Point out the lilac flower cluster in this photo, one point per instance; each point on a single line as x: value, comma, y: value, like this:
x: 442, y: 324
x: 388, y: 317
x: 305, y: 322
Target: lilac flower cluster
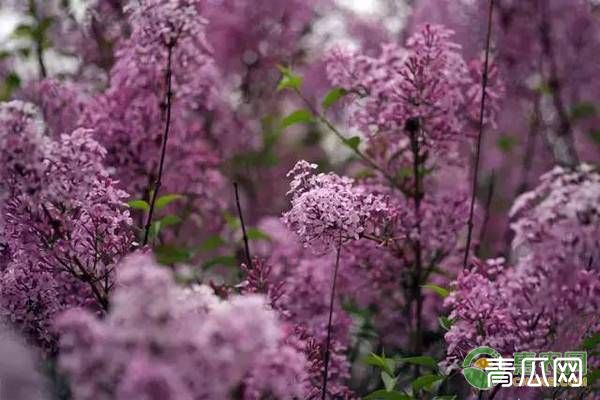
x: 328, y: 209
x: 549, y: 297
x: 63, y: 222
x: 161, y: 339
x: 427, y: 81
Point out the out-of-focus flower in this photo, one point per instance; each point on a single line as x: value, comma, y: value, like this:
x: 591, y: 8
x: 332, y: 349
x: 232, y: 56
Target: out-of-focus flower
x: 181, y: 343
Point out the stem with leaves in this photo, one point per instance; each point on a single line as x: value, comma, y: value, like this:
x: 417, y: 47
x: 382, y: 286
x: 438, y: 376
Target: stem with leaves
x: 330, y: 321
x: 484, y: 82
x: 163, y: 147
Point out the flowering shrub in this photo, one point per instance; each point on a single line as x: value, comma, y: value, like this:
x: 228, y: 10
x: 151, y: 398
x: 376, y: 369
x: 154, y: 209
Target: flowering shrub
x: 295, y: 200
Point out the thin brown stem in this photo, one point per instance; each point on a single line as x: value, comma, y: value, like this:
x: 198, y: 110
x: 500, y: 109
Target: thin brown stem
x: 340, y: 136
x: 244, y: 233
x: 484, y: 82
x: 487, y: 212
x: 163, y: 147
x: 330, y: 321
x: 413, y: 127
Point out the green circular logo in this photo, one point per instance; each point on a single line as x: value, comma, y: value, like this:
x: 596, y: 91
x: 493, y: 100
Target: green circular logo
x: 474, y: 366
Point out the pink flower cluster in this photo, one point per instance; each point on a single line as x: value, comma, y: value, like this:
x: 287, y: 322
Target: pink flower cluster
x: 162, y: 340
x: 549, y: 298
x: 328, y: 209
x: 427, y: 81
x: 62, y: 220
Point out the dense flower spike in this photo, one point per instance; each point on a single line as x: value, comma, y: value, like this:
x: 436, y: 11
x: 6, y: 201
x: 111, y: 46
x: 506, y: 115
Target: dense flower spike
x: 63, y: 222
x: 327, y: 208
x: 547, y: 300
x: 183, y: 343
x: 427, y: 81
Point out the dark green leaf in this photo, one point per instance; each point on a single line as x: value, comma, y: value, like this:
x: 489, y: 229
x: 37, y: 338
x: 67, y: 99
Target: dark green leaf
x: 212, y: 243
x: 170, y: 220
x: 155, y: 228
x: 593, y: 376
x: 289, y: 80
x: 425, y: 382
x: 445, y: 322
x: 139, y: 205
x: 386, y: 364
x: 297, y: 117
x: 257, y: 234
x: 171, y: 254
x: 583, y: 110
x: 227, y: 261
x: 332, y: 96
x: 385, y: 395
x: 389, y: 382
x: 591, y: 342
x: 595, y: 136
x: 506, y: 143
x: 23, y: 31
x: 425, y: 361
x: 440, y: 291
x: 353, y: 142
x: 167, y: 199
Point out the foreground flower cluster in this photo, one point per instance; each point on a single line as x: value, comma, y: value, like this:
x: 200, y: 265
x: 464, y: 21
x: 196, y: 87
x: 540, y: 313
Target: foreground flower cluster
x: 206, y: 205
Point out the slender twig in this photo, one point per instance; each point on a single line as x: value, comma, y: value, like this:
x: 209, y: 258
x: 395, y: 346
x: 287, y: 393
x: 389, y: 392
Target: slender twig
x: 484, y: 82
x: 487, y: 213
x: 38, y: 40
x: 413, y: 127
x: 329, y: 322
x: 244, y: 233
x: 163, y: 150
x: 561, y: 143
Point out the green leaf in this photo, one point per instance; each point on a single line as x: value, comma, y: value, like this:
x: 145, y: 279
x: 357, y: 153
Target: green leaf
x: 445, y: 322
x: 167, y: 199
x: 595, y: 136
x: 593, y: 376
x: 155, y: 228
x: 440, y: 291
x: 297, y: 117
x: 592, y: 342
x: 425, y: 361
x: 227, y: 261
x: 583, y: 110
x: 388, y: 381
x: 168, y: 255
x: 385, y: 395
x: 170, y: 220
x: 506, y: 143
x: 289, y: 80
x: 212, y: 243
x: 233, y: 222
x: 139, y: 205
x: 446, y: 397
x: 352, y: 142
x: 257, y: 234
x: 23, y: 31
x: 386, y: 364
x: 425, y: 382
x: 333, y: 96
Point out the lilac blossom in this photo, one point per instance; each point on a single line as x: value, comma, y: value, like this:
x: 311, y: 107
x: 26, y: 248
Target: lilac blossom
x: 182, y: 343
x: 63, y: 222
x: 329, y: 209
